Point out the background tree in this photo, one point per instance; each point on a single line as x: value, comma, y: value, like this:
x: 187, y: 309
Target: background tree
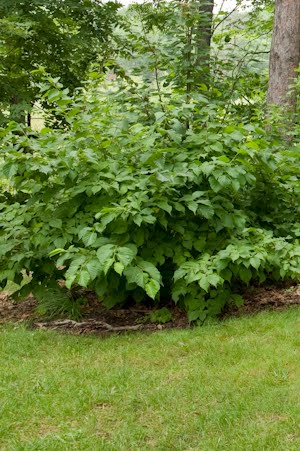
x: 285, y: 52
x: 64, y: 37
x: 204, y: 33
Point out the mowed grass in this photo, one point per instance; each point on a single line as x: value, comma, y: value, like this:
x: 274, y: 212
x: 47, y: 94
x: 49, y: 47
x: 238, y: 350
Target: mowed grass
x: 233, y: 385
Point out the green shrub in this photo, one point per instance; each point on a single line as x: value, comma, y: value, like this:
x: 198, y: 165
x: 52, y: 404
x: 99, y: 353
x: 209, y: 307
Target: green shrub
x: 134, y: 208
x: 157, y: 185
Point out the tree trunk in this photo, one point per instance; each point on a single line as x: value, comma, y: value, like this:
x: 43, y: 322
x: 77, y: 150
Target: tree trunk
x: 17, y: 112
x: 204, y: 31
x: 203, y: 39
x: 285, y: 53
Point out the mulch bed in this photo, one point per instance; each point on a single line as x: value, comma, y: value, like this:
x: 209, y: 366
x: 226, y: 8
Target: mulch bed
x: 96, y: 319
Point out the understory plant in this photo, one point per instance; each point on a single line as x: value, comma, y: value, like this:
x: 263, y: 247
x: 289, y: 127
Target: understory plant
x: 148, y: 192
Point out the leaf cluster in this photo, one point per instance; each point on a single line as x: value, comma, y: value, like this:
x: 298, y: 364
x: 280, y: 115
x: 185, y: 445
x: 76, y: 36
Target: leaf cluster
x: 64, y: 38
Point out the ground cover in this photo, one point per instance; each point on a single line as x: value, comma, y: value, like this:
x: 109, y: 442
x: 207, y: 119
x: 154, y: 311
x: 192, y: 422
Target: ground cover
x: 95, y: 318
x: 228, y: 385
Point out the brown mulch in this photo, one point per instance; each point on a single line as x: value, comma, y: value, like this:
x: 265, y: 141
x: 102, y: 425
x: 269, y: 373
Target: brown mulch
x: 95, y: 319
x: 269, y: 297
x: 98, y: 320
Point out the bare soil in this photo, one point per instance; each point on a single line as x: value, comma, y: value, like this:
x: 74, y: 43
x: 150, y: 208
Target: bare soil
x: 98, y: 320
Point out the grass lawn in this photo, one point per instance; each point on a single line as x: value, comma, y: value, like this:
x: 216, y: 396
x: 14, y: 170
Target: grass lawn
x: 233, y: 385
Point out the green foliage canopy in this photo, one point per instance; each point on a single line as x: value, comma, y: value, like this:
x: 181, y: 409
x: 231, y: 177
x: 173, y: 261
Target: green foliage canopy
x: 131, y: 209
x: 64, y: 37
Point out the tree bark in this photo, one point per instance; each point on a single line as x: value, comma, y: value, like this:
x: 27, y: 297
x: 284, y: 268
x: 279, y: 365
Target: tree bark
x: 204, y: 31
x: 285, y: 53
x: 203, y: 35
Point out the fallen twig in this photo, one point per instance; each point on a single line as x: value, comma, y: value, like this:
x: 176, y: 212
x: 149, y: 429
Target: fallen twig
x: 85, y: 324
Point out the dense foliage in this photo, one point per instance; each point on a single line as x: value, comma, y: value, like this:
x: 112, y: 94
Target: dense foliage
x: 63, y: 37
x: 158, y: 187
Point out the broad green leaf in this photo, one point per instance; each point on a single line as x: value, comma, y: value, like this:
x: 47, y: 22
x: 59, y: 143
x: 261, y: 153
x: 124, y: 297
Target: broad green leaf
x: 105, y: 252
x: 215, y: 279
x: 226, y: 274
x: 89, y: 238
x: 126, y: 254
x: 56, y: 223
x: 215, y: 184
x: 206, y: 211
x: 193, y: 315
x: 199, y: 244
x: 108, y: 264
x: 152, y: 288
x: 193, y: 206
x: 164, y: 206
x: 76, y: 263
x: 10, y: 169
x: 245, y: 274
x: 204, y: 283
x: 84, y: 278
x: 53, y: 95
x: 69, y: 280
x: 119, y: 268
x: 176, y: 137
x: 237, y: 135
x: 179, y: 274
x: 234, y: 255
x: 255, y: 262
x: 94, y: 268
x: 150, y: 269
x: 159, y: 116
x: 227, y: 220
x: 135, y: 275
